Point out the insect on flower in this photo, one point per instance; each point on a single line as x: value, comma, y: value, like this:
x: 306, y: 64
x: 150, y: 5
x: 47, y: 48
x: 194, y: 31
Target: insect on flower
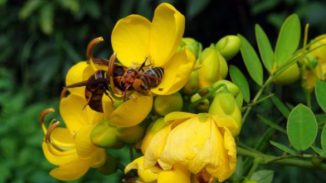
x: 141, y: 80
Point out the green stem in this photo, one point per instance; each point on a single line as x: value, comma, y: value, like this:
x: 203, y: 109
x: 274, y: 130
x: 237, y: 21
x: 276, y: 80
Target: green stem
x: 289, y: 160
x: 308, y: 98
x: 254, y: 101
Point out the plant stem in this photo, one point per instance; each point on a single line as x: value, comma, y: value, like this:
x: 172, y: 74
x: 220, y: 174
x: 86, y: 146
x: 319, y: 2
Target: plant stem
x: 292, y: 161
x: 254, y: 101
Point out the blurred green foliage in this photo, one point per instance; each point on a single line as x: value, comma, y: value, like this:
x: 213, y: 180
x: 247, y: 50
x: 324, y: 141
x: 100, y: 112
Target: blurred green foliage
x: 40, y: 40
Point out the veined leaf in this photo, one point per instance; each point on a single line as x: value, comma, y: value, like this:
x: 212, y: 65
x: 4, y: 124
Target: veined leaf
x: 251, y: 61
x: 283, y: 147
x: 320, y: 91
x: 265, y: 48
x: 240, y: 80
x: 302, y: 127
x: 288, y: 39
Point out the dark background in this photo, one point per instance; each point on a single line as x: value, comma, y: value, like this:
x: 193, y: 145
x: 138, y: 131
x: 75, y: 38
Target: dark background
x: 40, y: 40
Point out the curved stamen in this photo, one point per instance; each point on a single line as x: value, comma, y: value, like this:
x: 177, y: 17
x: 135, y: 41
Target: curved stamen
x: 90, y: 47
x: 53, y: 126
x: 64, y: 93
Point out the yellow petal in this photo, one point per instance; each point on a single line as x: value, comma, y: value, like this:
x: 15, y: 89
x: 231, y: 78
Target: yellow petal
x: 191, y: 137
x: 58, y: 157
x: 130, y: 40
x: 76, y: 74
x: 98, y: 158
x: 71, y: 171
x: 62, y: 138
x: 178, y: 116
x: 84, y: 145
x: 132, y: 112
x: 166, y: 32
x: 178, y: 174
x: 146, y: 175
x: 227, y: 161
x: 72, y: 112
x: 176, y: 73
x: 155, y: 147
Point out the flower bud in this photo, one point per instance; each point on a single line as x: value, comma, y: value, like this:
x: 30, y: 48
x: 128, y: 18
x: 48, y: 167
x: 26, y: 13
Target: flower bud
x: 191, y: 44
x: 231, y: 87
x: 165, y: 104
x: 192, y: 84
x: 320, y: 52
x: 288, y: 76
x: 225, y: 105
x: 131, y: 134
x: 110, y: 166
x: 213, y: 67
x: 105, y: 135
x: 228, y: 46
x: 203, y: 105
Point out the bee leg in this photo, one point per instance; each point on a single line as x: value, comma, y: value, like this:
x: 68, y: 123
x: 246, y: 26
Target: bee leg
x: 107, y: 94
x: 88, y: 100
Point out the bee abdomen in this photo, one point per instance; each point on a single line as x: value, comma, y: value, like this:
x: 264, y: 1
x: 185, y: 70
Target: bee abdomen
x: 152, y: 77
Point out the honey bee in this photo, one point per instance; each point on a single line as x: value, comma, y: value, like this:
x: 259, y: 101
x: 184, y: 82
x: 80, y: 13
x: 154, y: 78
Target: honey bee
x: 140, y: 80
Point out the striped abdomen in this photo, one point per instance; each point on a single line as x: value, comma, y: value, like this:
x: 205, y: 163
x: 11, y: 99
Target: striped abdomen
x: 152, y: 77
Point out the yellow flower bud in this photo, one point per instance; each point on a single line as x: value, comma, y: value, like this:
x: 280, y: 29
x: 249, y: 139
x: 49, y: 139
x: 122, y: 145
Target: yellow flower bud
x: 168, y: 103
x: 320, y: 52
x: 192, y: 45
x: 288, y: 76
x: 228, y: 46
x: 131, y: 134
x: 105, y: 135
x: 225, y: 105
x: 213, y: 67
x: 192, y: 84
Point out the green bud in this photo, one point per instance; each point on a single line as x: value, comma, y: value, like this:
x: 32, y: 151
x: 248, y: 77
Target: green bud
x: 213, y: 67
x: 131, y: 134
x: 192, y: 45
x: 192, y: 84
x: 169, y: 103
x: 229, y: 86
x: 288, y: 76
x: 203, y: 105
x: 224, y: 104
x: 228, y: 46
x: 105, y: 135
x: 110, y: 166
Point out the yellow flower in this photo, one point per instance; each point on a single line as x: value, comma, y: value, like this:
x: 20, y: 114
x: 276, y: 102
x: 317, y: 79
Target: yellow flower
x: 134, y: 38
x: 176, y: 174
x: 204, y: 145
x: 71, y: 148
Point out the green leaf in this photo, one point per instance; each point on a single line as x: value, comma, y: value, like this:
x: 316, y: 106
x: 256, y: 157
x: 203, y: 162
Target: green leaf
x: 283, y: 147
x: 251, y: 61
x: 320, y: 91
x: 271, y: 124
x: 240, y: 80
x: 281, y: 106
x: 263, y: 176
x: 319, y: 151
x: 265, y: 48
x: 46, y: 19
x: 302, y: 127
x: 288, y: 39
x: 323, y: 139
x: 29, y: 7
